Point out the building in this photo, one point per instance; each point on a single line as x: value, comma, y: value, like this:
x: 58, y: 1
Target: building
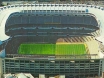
x: 52, y: 39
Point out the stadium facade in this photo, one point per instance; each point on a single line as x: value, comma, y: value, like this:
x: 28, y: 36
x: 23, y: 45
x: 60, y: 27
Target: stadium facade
x: 52, y: 39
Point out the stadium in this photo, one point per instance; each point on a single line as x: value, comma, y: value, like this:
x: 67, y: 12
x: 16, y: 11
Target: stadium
x: 52, y: 39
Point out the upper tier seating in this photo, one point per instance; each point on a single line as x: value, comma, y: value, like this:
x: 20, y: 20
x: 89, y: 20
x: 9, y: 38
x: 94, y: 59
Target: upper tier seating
x: 32, y: 19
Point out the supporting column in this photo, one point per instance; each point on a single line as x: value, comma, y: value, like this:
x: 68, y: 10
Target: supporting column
x: 1, y: 68
x: 102, y: 68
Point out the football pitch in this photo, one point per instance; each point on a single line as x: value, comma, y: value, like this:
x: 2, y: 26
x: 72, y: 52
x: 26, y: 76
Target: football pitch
x: 52, y: 49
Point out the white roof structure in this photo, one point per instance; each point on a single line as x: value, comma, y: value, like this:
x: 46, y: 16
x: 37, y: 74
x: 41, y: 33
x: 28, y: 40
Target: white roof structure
x: 19, y: 75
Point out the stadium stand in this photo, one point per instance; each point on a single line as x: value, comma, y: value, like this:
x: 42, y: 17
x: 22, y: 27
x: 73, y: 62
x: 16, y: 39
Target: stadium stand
x: 29, y: 19
x: 36, y: 22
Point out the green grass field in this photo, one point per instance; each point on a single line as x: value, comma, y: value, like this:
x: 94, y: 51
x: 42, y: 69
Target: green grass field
x: 70, y: 49
x: 48, y: 49
x: 52, y: 49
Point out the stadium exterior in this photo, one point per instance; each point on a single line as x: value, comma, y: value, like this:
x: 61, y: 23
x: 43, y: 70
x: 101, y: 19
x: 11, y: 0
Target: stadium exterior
x: 52, y: 24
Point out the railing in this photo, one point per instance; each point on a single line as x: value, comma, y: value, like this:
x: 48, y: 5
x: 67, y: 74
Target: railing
x: 49, y: 57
